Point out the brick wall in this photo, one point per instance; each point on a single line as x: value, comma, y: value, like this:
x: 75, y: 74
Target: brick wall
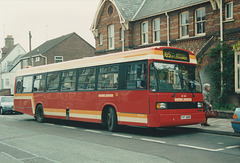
x: 133, y: 36
x: 72, y: 48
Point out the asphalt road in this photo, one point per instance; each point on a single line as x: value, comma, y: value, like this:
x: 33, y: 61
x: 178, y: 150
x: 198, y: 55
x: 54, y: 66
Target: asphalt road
x: 22, y: 139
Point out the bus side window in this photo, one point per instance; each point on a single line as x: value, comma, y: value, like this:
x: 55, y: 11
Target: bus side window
x: 53, y: 81
x: 39, y: 83
x: 19, y: 85
x: 136, y: 76
x: 68, y: 80
x: 86, y: 79
x: 27, y: 84
x: 108, y: 77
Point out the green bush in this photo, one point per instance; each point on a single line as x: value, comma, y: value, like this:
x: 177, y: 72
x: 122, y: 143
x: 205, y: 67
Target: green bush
x: 221, y: 101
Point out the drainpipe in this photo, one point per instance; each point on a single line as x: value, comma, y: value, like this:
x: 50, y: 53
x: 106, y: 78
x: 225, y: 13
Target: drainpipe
x: 168, y: 30
x: 45, y: 58
x: 221, y: 39
x: 123, y: 42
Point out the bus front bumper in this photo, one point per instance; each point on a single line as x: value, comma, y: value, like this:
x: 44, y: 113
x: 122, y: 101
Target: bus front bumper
x: 168, y: 120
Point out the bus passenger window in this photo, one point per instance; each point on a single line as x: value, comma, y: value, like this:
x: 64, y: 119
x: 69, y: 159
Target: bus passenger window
x: 68, y: 80
x: 27, y: 84
x: 39, y: 83
x: 108, y: 77
x: 136, y: 76
x: 53, y: 81
x: 19, y: 85
x: 86, y: 79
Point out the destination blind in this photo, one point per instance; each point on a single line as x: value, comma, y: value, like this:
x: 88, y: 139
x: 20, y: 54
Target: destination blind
x: 174, y: 54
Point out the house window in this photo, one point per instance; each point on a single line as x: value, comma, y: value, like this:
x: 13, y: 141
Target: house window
x: 58, y: 59
x: 37, y: 59
x: 111, y: 37
x: 156, y: 30
x: 237, y: 71
x: 100, y: 39
x: 145, y: 32
x: 200, y: 21
x: 184, y: 24
x: 229, y: 10
x: 7, y: 82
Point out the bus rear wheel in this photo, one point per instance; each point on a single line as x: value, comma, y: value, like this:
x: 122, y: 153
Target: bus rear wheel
x: 112, y: 120
x: 39, y: 115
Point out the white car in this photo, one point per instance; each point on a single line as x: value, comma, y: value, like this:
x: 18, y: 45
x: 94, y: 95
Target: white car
x: 6, y: 104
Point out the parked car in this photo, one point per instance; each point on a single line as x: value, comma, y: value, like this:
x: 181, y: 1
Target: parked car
x: 236, y: 121
x: 6, y: 104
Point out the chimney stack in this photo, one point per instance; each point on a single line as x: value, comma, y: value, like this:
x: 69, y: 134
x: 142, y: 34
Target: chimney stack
x: 9, y: 41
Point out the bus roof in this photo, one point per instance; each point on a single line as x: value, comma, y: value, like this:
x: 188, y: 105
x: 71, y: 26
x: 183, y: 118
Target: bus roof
x: 155, y: 53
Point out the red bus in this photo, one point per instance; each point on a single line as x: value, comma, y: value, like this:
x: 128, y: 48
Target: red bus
x: 153, y: 87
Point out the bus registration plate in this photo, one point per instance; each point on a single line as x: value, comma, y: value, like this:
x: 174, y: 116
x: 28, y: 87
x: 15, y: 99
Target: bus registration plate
x: 186, y: 117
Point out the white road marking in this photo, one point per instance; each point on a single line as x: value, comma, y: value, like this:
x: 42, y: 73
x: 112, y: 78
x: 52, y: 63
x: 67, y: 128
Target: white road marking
x: 231, y: 147
x: 202, y: 148
x: 8, y: 155
x: 151, y: 140
x: 49, y: 124
x: 4, y: 125
x: 28, y: 152
x: 124, y: 136
x: 69, y: 127
x: 93, y: 131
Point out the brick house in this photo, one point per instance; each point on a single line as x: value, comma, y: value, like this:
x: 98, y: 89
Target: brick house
x: 121, y: 25
x: 64, y: 48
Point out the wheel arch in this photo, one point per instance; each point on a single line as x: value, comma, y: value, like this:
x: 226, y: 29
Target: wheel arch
x: 39, y: 103
x: 105, y: 111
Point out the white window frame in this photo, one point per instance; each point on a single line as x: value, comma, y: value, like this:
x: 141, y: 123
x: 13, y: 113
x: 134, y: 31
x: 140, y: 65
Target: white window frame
x: 144, y: 32
x: 203, y: 22
x: 229, y: 10
x: 37, y: 59
x: 156, y: 30
x: 184, y: 25
x: 237, y: 71
x: 100, y: 39
x: 58, y: 59
x: 111, y: 37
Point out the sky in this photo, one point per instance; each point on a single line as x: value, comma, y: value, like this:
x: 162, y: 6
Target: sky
x: 46, y: 19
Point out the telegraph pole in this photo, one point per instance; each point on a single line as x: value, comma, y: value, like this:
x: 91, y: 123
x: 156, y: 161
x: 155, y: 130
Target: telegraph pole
x: 221, y: 39
x: 30, y: 47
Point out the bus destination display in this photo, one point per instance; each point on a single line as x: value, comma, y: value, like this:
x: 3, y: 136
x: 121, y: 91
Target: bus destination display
x: 174, y: 54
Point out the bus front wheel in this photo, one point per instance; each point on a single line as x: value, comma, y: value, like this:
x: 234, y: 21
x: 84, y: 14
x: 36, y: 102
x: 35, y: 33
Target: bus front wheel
x: 112, y: 120
x: 39, y: 115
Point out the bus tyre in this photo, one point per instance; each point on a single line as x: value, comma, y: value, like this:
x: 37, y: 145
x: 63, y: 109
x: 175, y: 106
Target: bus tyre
x: 1, y: 111
x: 39, y: 115
x: 112, y: 120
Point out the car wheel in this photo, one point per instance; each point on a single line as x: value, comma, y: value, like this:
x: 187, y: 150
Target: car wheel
x: 1, y: 111
x: 39, y: 115
x: 112, y: 120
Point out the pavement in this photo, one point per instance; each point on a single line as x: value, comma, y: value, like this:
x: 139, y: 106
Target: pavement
x: 217, y: 126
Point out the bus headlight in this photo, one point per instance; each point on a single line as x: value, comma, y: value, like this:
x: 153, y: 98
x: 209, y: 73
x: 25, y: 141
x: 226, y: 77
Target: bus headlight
x: 161, y: 105
x: 199, y: 104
